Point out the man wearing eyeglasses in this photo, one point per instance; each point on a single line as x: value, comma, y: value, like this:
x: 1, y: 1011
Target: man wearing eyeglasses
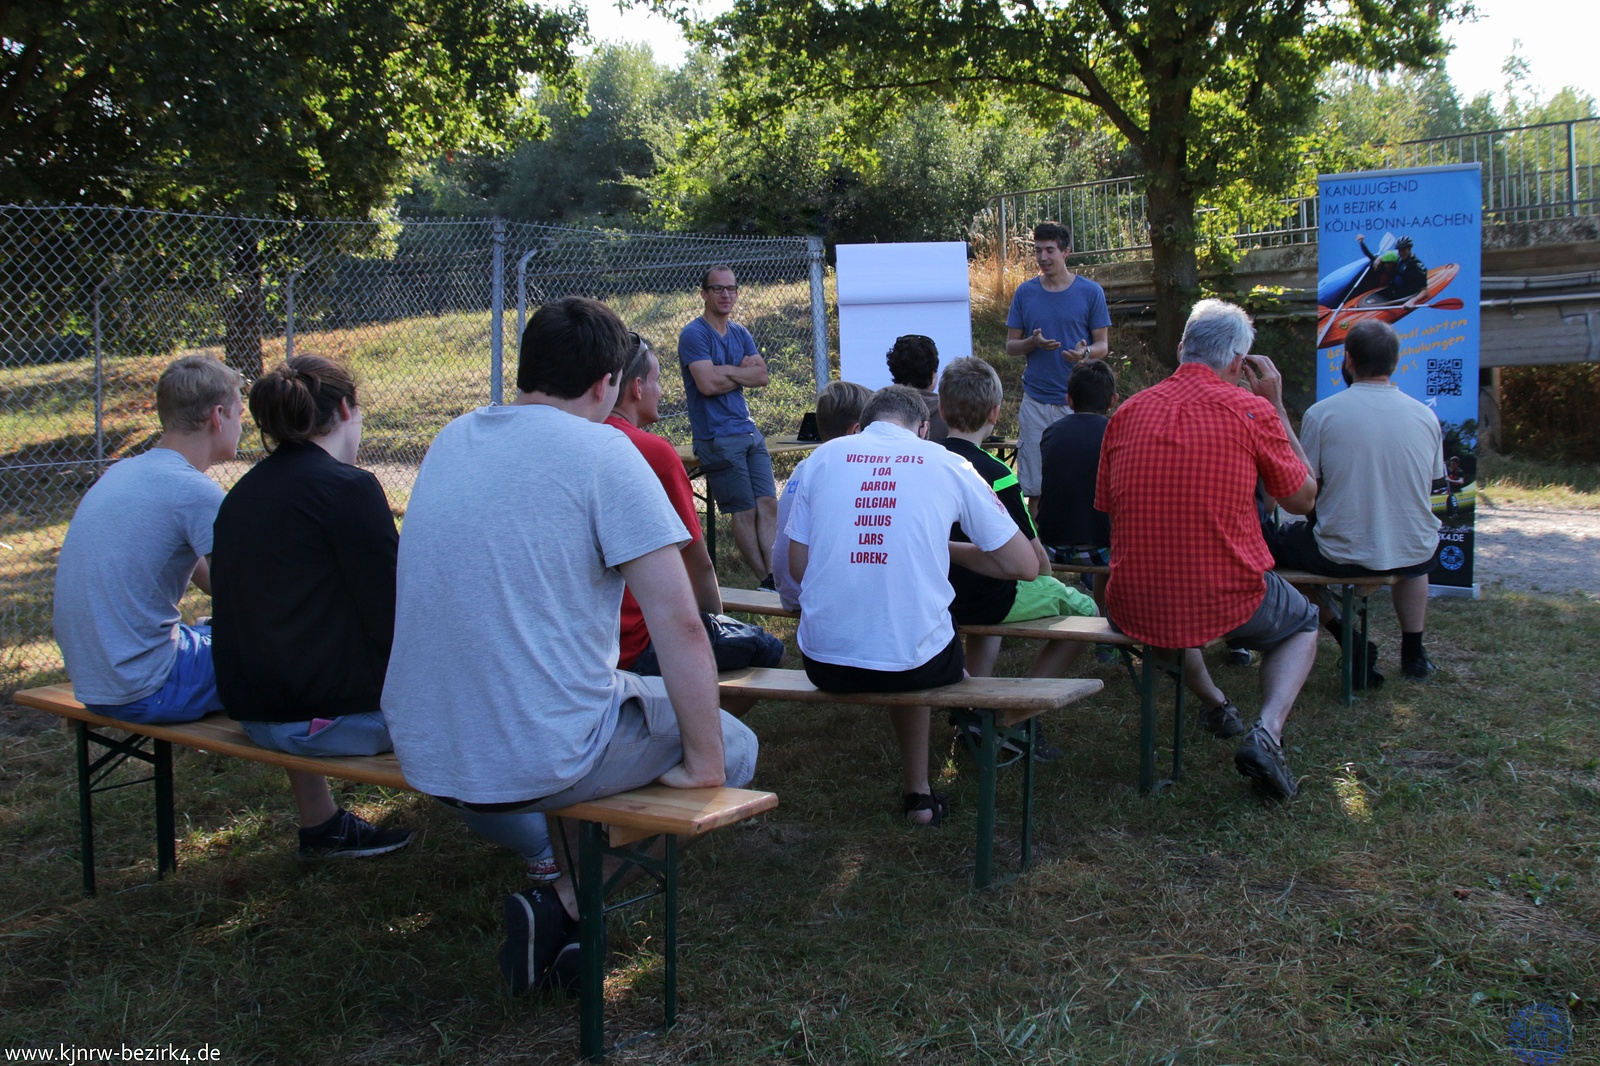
x: 719, y: 361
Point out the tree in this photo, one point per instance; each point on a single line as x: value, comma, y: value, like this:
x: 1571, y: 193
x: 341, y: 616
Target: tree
x: 289, y: 108
x: 1207, y: 92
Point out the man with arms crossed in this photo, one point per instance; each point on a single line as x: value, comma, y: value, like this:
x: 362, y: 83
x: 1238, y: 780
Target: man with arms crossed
x: 140, y: 536
x: 638, y: 406
x: 1057, y: 319
x: 502, y: 694
x: 1376, y: 453
x: 719, y: 361
x: 869, y: 543
x: 1178, y: 471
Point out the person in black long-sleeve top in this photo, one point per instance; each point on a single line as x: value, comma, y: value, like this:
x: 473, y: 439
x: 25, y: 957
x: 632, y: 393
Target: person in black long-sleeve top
x: 303, y: 588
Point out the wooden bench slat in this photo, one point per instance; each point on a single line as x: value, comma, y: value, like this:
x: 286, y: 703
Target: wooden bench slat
x: 1293, y: 577
x: 755, y: 601
x: 221, y: 735
x: 1019, y: 697
x: 688, y: 812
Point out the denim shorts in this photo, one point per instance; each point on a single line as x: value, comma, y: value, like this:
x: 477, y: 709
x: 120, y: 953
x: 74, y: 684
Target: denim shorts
x: 737, y: 469
x: 349, y: 734
x: 190, y: 691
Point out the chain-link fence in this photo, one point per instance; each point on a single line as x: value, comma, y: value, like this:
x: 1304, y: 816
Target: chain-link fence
x: 94, y: 302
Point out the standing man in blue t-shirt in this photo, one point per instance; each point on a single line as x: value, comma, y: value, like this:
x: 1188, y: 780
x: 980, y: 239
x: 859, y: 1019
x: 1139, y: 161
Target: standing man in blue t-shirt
x: 1057, y: 319
x: 719, y: 361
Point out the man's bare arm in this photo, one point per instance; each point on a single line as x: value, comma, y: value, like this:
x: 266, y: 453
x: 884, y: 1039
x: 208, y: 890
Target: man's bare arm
x: 1017, y: 344
x: 1012, y: 561
x: 702, y: 577
x: 799, y: 555
x: 1266, y: 382
x: 661, y: 586
x: 713, y: 380
x: 201, y: 578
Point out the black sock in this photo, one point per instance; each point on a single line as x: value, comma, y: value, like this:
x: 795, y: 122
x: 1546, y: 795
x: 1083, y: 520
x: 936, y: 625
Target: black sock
x: 1332, y: 626
x: 1411, y: 647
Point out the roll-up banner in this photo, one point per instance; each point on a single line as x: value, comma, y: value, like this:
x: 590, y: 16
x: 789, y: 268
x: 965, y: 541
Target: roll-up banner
x: 1406, y: 247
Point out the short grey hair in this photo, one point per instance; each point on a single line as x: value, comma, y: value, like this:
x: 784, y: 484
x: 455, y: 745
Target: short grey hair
x: 899, y: 404
x: 1216, y: 334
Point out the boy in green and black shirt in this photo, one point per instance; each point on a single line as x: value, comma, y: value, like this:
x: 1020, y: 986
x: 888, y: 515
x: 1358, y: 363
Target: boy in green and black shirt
x: 969, y: 398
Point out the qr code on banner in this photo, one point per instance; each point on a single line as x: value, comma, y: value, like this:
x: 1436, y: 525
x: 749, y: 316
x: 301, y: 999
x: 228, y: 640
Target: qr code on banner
x: 1444, y: 377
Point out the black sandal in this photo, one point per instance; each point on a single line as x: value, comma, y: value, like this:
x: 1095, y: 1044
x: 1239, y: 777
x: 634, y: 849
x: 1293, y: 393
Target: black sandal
x: 912, y: 802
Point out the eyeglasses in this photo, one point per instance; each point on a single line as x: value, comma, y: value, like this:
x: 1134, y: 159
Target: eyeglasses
x: 731, y: 290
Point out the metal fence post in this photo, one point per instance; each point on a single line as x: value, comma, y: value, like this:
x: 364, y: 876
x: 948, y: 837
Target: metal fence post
x: 1000, y: 257
x: 99, y: 375
x: 288, y: 306
x: 819, y: 313
x: 497, y: 301
x: 1572, y: 169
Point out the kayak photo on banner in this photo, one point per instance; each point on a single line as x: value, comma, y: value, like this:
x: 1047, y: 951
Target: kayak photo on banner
x: 1405, y: 247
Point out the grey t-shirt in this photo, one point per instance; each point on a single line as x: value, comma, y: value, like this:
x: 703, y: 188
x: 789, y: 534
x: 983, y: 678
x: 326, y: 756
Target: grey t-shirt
x: 129, y: 553
x: 502, y: 680
x: 1376, y: 452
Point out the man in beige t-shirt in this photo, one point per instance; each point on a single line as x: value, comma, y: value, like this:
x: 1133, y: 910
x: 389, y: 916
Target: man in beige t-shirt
x: 1376, y: 453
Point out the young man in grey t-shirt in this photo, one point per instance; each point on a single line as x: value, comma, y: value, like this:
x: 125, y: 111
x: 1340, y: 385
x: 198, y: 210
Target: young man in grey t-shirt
x: 140, y: 536
x: 502, y: 696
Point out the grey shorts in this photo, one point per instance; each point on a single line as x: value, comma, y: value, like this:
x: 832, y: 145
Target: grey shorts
x: 1283, y: 613
x: 646, y: 745
x: 737, y: 469
x: 1033, y: 418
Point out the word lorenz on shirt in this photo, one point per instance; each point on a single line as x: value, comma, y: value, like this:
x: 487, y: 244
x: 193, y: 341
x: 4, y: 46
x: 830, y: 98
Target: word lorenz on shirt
x: 875, y: 499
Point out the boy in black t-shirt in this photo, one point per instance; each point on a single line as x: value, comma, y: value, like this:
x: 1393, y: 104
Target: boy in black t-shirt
x: 969, y: 398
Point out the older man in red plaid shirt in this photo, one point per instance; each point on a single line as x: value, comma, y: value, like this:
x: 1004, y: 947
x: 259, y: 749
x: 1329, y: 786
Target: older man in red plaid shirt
x: 1178, y: 473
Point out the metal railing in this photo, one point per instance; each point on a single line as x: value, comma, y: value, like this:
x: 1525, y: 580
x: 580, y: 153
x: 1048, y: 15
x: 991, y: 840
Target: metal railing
x: 1530, y: 173
x: 94, y: 302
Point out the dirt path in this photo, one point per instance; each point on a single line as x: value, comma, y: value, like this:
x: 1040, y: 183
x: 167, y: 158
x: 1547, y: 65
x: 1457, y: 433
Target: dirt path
x: 1536, y: 549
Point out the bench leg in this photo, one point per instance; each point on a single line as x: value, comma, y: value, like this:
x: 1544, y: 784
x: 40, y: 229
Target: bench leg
x: 669, y: 890
x: 988, y: 757
x: 85, y: 807
x: 166, y: 823
x: 1027, y: 796
x: 591, y: 891
x: 1347, y: 661
x: 1149, y: 677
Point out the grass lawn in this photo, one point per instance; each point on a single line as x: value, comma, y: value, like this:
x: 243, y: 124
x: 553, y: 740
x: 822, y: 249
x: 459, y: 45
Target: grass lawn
x: 1436, y: 876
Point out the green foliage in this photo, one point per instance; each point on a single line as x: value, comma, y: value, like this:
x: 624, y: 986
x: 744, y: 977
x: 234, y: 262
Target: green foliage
x: 1547, y: 412
x: 296, y: 107
x: 1208, y: 94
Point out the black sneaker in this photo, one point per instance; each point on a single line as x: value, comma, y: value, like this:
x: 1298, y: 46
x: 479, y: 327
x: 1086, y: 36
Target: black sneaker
x: 770, y: 583
x: 1418, y: 669
x: 536, y: 930
x: 1222, y: 721
x: 1260, y: 758
x: 1237, y: 657
x: 345, y: 836
x: 969, y: 724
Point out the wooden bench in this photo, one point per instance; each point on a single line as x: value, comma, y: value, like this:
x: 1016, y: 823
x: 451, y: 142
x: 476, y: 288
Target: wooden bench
x: 1007, y: 708
x: 1353, y: 608
x: 622, y: 825
x: 1082, y: 630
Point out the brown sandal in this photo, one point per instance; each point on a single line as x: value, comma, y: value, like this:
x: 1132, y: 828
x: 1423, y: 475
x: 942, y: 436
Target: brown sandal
x: 912, y: 802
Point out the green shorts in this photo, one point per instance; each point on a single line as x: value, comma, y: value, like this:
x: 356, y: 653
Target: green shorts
x: 1046, y: 597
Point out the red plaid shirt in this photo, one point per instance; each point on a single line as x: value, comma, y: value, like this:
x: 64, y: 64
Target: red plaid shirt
x: 1178, y: 475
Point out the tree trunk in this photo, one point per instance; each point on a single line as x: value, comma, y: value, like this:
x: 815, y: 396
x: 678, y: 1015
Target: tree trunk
x: 244, y: 312
x: 1175, y: 263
